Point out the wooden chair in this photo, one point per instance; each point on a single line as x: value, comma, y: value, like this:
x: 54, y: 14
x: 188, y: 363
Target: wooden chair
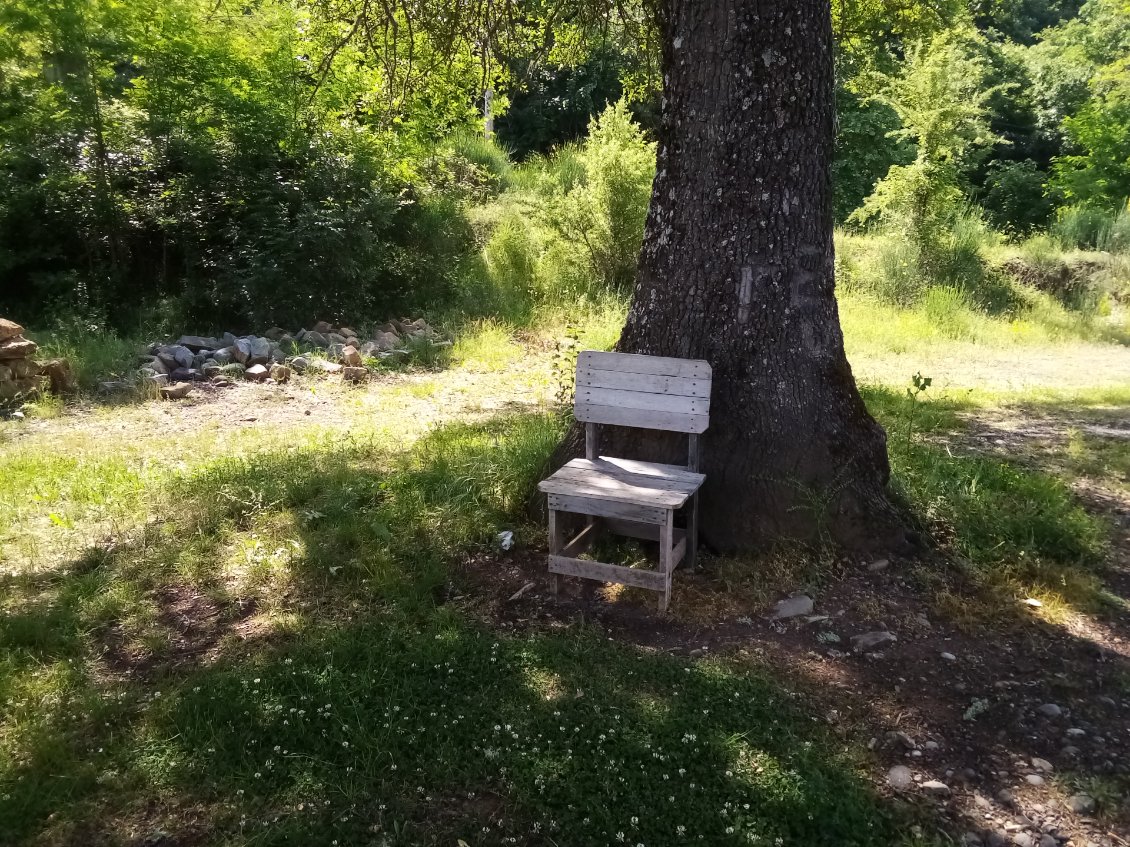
x: 636, y: 499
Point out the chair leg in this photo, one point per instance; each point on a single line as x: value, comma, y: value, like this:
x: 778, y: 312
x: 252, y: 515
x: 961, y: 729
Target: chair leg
x: 666, y: 558
x: 554, y: 549
x: 692, y: 533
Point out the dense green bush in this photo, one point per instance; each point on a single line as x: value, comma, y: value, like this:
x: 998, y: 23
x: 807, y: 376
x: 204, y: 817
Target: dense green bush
x: 184, y: 156
x: 572, y: 224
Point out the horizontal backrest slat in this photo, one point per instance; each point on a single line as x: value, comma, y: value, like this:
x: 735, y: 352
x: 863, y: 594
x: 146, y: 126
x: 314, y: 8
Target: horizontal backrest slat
x: 651, y: 392
x: 635, y: 363
x: 678, y: 386
x: 642, y: 418
x: 642, y: 400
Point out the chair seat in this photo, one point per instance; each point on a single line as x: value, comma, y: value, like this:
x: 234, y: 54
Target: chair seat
x: 648, y: 484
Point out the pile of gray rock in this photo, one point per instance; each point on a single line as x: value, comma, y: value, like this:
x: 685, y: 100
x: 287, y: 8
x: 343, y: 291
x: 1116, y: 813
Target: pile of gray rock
x: 275, y: 355
x: 21, y: 375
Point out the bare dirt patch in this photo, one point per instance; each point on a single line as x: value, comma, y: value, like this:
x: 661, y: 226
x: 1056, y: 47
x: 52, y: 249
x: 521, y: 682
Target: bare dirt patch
x: 957, y: 706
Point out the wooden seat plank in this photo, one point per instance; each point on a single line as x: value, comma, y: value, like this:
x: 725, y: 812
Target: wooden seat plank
x: 641, y: 473
x: 599, y: 506
x: 639, y: 468
x: 609, y: 488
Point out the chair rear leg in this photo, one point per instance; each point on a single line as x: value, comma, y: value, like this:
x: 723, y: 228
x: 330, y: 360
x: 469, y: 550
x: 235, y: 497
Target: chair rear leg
x: 692, y: 533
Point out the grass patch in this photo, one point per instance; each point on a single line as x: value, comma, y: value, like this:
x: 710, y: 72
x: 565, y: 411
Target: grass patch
x: 358, y: 703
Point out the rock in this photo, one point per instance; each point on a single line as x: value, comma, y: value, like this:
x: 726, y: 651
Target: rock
x: 186, y: 375
x: 335, y: 351
x: 17, y: 347
x: 223, y: 356
x: 6, y: 374
x: 233, y: 371
x: 177, y: 391
x: 21, y: 368
x: 9, y: 329
x: 1081, y: 804
x: 1034, y: 779
x: 315, y: 339
x: 355, y: 375
x: 241, y: 351
x: 351, y: 356
x: 299, y: 364
x: 949, y: 657
x: 200, y: 358
x: 326, y: 366
x: 322, y: 327
x: 196, y: 343
x: 286, y: 343
x: 971, y: 839
x: 260, y: 351
x: 386, y: 341
x: 275, y: 333
x: 277, y: 356
x: 181, y: 356
x: 347, y: 332
x: 1004, y: 797
x: 931, y: 745
x: 900, y: 778
x: 1023, y: 839
x: 155, y: 364
x: 895, y: 736
x: 18, y: 389
x: 60, y: 377
x: 159, y: 380
x: 228, y: 340
x: 212, y: 369
x: 1048, y: 841
x: 256, y: 373
x: 1050, y: 710
x: 1076, y: 732
x: 935, y: 788
x: 280, y: 373
x: 878, y: 565
x: 792, y: 607
x: 868, y: 641
x: 1043, y: 765
x: 336, y: 338
x: 368, y: 348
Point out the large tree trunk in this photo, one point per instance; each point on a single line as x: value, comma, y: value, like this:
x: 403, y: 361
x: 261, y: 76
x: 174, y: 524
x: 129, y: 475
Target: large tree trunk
x: 737, y: 269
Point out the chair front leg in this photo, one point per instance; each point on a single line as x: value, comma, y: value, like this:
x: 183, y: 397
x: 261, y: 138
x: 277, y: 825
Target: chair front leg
x: 666, y: 558
x: 554, y: 548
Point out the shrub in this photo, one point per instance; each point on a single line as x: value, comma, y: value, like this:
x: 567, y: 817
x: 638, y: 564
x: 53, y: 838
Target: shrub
x: 1082, y: 227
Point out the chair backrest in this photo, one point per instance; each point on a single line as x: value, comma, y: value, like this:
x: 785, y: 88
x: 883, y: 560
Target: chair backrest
x: 650, y: 392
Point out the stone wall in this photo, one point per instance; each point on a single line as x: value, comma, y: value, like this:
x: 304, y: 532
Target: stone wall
x: 21, y: 375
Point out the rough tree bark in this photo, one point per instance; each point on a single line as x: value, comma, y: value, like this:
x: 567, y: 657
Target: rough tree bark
x: 737, y: 269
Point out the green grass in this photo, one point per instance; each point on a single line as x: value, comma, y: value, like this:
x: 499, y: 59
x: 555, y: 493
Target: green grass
x: 361, y: 700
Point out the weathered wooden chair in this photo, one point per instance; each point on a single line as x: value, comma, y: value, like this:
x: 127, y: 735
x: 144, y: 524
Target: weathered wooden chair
x: 636, y: 499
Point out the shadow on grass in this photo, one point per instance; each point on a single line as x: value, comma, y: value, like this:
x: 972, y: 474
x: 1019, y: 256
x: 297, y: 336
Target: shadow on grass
x: 279, y: 662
